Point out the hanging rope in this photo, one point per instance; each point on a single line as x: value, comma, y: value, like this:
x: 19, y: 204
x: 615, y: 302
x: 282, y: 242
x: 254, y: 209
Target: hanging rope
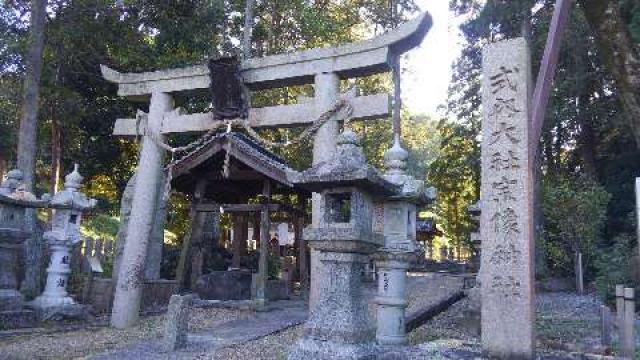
x: 210, y: 135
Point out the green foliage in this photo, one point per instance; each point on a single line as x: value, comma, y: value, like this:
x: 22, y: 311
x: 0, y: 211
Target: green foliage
x: 455, y: 173
x: 575, y: 214
x: 614, y: 265
x: 584, y: 133
x: 273, y: 265
x: 101, y: 226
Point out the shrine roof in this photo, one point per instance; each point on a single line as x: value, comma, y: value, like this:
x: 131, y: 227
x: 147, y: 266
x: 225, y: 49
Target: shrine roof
x: 249, y: 165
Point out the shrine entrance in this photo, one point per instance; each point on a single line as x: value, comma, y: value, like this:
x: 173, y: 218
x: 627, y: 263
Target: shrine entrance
x: 232, y: 174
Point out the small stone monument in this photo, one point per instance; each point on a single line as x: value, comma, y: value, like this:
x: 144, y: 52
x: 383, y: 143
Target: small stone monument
x: 400, y: 249
x: 68, y: 206
x: 506, y: 221
x: 177, y: 322
x: 338, y: 326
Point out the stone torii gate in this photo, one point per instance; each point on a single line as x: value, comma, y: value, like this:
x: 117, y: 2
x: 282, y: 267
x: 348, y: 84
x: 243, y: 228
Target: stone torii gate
x: 323, y: 67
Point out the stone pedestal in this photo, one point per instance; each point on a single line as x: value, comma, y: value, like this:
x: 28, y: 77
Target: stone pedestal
x: 55, y: 292
x: 338, y: 327
x: 392, y: 297
x: 10, y: 243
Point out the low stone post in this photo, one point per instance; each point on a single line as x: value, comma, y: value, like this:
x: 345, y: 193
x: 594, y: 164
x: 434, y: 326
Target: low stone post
x: 68, y: 206
x: 628, y: 333
x: 606, y: 325
x: 619, y: 306
x: 177, y: 322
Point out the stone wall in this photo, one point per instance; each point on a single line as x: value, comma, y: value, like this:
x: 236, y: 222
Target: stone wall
x: 155, y: 294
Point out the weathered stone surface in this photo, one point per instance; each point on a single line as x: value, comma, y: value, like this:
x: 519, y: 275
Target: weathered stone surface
x: 507, y: 199
x: 68, y: 205
x: 339, y: 326
x: 364, y: 108
x: 125, y: 213
x: 64, y: 312
x: 155, y: 294
x: 350, y: 60
x: 225, y: 285
x: 128, y: 292
x: 327, y: 88
x: 17, y: 224
x: 156, y: 237
x: 177, y: 322
x: 156, y: 241
x: 628, y: 328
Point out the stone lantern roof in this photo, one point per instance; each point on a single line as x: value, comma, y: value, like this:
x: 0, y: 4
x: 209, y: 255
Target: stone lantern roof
x: 70, y: 197
x: 348, y: 167
x: 410, y: 189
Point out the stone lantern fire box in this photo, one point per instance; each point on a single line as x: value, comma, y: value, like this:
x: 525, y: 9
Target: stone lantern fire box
x: 338, y: 327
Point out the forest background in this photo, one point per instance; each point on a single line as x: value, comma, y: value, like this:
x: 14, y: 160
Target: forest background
x: 590, y: 142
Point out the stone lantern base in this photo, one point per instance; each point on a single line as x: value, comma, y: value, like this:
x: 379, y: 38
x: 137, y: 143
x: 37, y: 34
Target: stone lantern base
x: 45, y: 301
x: 338, y: 327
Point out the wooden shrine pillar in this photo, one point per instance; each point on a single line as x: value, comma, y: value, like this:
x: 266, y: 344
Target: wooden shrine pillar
x: 265, y: 224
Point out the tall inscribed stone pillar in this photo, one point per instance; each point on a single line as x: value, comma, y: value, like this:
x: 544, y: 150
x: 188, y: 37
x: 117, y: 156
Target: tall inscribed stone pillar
x: 327, y: 90
x: 507, y: 274
x: 126, y: 304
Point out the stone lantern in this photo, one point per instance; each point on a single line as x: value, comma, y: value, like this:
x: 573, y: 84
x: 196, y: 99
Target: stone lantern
x: 68, y: 206
x: 338, y: 327
x: 400, y: 250
x: 14, y: 202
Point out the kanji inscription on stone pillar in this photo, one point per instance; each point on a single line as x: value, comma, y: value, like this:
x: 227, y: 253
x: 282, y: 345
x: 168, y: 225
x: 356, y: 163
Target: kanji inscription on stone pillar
x: 507, y: 191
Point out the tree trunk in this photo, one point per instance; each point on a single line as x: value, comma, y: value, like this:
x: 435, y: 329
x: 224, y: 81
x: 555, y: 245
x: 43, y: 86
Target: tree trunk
x: 3, y: 167
x: 27, y: 137
x: 619, y: 54
x: 56, y: 153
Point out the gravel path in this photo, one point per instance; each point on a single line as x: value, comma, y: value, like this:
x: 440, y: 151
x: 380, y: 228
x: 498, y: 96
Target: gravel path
x: 77, y: 344
x: 421, y: 291
x: 564, y: 321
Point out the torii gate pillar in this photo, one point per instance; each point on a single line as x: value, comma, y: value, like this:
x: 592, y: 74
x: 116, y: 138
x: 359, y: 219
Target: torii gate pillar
x: 327, y: 90
x: 126, y: 304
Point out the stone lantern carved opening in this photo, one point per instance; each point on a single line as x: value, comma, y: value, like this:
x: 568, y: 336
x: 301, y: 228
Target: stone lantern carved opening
x: 339, y: 208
